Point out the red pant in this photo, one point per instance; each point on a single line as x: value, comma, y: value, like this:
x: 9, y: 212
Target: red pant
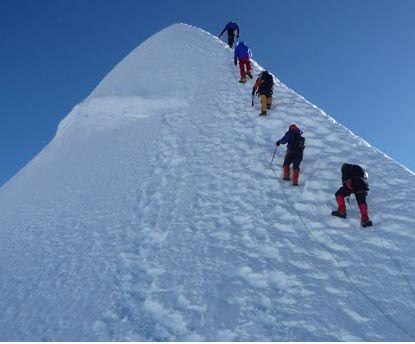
x: 244, y: 62
x: 360, y: 198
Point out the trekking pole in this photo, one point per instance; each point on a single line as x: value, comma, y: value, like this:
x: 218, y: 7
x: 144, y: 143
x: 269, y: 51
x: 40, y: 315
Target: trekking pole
x: 253, y: 100
x: 274, y: 155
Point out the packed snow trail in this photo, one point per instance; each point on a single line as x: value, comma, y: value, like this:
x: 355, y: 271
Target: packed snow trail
x: 155, y: 215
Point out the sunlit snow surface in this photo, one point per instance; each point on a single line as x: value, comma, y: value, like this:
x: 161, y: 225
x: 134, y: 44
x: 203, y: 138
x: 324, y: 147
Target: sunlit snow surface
x: 154, y: 215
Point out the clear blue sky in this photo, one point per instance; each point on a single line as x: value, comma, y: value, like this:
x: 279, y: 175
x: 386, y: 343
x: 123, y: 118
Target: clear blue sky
x: 352, y: 58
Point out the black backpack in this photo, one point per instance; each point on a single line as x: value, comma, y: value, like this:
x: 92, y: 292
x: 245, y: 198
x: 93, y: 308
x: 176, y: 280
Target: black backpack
x: 359, y: 172
x: 299, y: 143
x: 267, y: 81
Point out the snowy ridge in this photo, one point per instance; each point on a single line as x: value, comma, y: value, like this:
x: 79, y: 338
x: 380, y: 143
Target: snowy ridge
x: 154, y: 214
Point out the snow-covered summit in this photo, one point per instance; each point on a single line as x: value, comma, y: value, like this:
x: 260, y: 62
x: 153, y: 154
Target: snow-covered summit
x: 154, y: 214
x: 156, y: 69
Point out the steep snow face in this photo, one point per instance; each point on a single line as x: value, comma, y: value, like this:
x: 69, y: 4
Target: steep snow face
x: 166, y: 71
x: 155, y: 214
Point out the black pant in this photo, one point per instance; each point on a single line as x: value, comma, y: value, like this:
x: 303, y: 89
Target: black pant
x: 360, y: 194
x: 266, y: 92
x: 293, y: 158
x: 231, y: 39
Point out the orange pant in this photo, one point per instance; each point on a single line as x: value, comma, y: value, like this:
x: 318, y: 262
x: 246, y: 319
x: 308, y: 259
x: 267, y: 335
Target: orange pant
x: 264, y: 101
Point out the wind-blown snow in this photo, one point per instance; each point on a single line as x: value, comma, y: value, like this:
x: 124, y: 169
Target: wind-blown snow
x: 154, y: 215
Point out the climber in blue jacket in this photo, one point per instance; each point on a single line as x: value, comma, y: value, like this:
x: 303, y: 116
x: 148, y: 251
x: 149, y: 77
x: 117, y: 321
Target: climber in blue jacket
x: 294, y: 155
x: 243, y: 54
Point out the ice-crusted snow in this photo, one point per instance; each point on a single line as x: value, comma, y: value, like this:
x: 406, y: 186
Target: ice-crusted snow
x: 154, y: 214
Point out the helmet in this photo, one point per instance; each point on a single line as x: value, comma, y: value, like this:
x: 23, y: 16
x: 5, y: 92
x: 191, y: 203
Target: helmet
x: 292, y: 127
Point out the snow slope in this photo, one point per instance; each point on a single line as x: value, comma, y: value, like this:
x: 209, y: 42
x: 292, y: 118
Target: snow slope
x: 154, y: 214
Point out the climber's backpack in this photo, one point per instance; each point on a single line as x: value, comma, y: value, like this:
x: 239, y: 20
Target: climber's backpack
x: 299, y: 143
x: 267, y: 81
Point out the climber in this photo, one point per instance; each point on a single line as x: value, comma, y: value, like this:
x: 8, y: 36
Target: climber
x: 231, y: 27
x: 263, y: 88
x: 243, y: 54
x: 354, y: 179
x: 294, y: 154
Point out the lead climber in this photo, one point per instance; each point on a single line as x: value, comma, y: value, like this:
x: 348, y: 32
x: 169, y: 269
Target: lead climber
x: 231, y: 27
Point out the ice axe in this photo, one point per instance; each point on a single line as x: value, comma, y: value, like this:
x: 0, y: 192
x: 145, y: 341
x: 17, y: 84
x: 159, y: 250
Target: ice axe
x: 253, y: 95
x: 274, y: 155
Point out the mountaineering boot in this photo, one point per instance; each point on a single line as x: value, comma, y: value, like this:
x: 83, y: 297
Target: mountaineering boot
x: 249, y: 74
x: 268, y: 106
x: 365, y: 222
x: 339, y: 214
x: 286, y: 172
x: 262, y: 113
x: 242, y: 81
x: 341, y: 207
x: 296, y: 174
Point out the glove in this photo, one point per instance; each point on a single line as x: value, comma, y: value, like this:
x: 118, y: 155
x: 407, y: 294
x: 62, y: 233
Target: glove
x: 277, y: 143
x: 235, y: 62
